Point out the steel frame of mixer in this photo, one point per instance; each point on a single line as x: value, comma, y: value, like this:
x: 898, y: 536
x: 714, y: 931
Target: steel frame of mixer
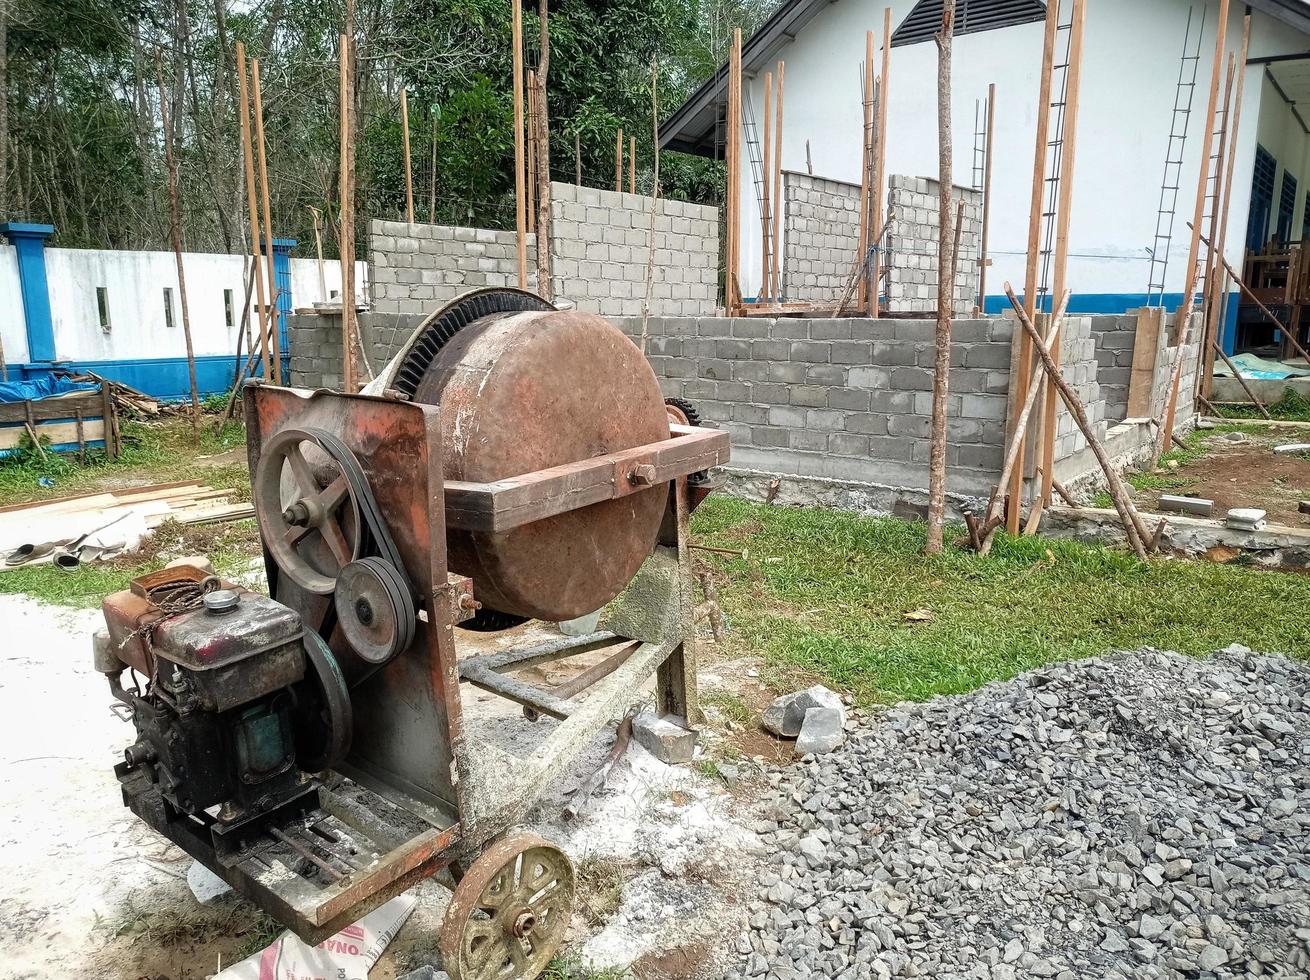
x: 416, y: 795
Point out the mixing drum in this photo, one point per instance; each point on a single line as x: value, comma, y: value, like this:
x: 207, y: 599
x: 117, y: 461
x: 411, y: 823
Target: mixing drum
x: 522, y: 387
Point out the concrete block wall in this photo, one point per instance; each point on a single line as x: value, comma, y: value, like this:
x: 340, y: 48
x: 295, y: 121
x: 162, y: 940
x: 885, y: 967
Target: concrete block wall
x: 1115, y: 337
x: 1082, y: 371
x: 601, y: 250
x: 847, y: 400
x: 316, y: 344
x: 418, y: 267
x: 912, y: 246
x: 821, y: 237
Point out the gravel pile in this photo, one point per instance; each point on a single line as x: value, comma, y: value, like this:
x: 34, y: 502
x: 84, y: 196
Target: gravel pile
x: 1144, y: 814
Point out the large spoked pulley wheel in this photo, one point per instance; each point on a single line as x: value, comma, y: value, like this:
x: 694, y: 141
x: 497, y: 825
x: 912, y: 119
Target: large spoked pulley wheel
x: 309, y: 516
x: 374, y: 609
x: 508, y: 914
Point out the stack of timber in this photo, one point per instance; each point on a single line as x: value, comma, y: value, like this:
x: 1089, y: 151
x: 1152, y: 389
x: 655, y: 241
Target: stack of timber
x: 128, y: 399
x: 76, y: 419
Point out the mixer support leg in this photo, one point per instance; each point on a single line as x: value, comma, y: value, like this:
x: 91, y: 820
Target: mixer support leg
x: 675, y: 680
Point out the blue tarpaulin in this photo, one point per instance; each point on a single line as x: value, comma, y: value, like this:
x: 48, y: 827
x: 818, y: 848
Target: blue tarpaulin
x: 45, y: 386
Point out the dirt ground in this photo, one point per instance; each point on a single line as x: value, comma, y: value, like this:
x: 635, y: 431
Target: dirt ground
x: 1249, y: 474
x: 91, y: 892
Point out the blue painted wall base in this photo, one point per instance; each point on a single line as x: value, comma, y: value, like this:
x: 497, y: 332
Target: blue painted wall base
x: 164, y: 378
x: 1123, y: 302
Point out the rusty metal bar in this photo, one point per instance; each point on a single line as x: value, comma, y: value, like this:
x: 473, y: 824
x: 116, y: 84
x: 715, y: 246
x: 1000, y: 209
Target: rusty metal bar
x: 542, y: 702
x: 541, y: 653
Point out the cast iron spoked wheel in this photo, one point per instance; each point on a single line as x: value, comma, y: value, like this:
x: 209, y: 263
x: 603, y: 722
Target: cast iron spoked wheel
x: 508, y: 914
x: 312, y: 531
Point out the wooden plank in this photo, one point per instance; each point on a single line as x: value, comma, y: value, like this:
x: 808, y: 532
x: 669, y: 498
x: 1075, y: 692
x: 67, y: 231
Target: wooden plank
x: 1035, y: 210
x: 252, y: 199
x: 1146, y: 348
x: 766, y: 237
x: 506, y: 504
x: 409, y: 173
x: 57, y: 432
x: 89, y: 403
x: 261, y: 159
x: 779, y: 211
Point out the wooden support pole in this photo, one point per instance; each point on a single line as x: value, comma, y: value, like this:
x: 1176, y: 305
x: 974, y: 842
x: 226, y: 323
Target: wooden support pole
x: 409, y: 171
x: 1035, y: 210
x: 252, y: 205
x: 632, y: 164
x: 779, y: 208
x: 878, y: 181
x: 274, y: 334
x: 809, y: 163
x: 545, y: 228
x: 1217, y: 320
x: 1183, y: 325
x: 1210, y: 296
x: 577, y: 160
x: 520, y: 212
x: 766, y: 234
x: 866, y: 106
x: 990, y: 518
x: 531, y: 100
x: 317, y: 217
x: 346, y: 225
x: 618, y: 161
x: 983, y: 261
x: 732, y: 285
x: 1134, y: 529
x: 1060, y: 264
x: 175, y: 213
x: 432, y: 171
x: 945, y: 288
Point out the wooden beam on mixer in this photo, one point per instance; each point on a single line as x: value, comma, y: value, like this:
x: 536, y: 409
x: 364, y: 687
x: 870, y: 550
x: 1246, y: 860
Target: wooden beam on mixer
x: 506, y: 504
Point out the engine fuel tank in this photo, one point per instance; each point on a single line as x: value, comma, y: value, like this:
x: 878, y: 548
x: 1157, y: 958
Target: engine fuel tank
x: 525, y: 391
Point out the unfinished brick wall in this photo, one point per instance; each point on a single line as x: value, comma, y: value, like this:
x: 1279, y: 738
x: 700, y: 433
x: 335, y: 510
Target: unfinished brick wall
x: 601, y: 250
x: 316, y: 344
x: 821, y: 237
x: 912, y: 241
x: 600, y: 253
x: 1115, y: 336
x: 1079, y: 366
x: 841, y: 399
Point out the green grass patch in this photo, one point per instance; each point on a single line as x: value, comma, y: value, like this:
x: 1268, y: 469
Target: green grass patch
x: 827, y: 593
x: 153, y: 452
x: 1290, y: 407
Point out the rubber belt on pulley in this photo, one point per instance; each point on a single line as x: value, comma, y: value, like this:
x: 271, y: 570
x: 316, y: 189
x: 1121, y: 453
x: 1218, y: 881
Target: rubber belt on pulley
x: 384, y: 546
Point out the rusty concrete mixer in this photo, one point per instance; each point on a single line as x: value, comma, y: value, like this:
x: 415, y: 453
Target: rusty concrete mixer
x: 513, y: 462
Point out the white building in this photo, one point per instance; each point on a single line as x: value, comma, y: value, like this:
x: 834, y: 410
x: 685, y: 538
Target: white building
x: 1130, y: 72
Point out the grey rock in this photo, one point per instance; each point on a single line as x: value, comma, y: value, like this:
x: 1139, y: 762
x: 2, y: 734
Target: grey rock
x: 786, y: 714
x: 822, y: 731
x: 667, y: 738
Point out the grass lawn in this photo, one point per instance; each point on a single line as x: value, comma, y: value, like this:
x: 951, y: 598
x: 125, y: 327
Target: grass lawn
x: 1290, y: 407
x: 852, y: 600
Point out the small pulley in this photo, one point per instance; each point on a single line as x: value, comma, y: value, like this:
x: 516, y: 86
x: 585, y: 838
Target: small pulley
x: 375, y: 609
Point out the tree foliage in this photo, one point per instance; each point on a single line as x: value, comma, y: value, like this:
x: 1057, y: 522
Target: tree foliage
x: 83, y: 148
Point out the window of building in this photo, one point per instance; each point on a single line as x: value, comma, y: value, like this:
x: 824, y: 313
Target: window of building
x: 229, y: 315
x: 102, y: 308
x: 1262, y: 200
x: 1286, y: 208
x: 971, y: 16
x: 168, y: 307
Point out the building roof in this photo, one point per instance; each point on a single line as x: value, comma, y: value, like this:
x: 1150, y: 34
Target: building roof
x: 691, y: 127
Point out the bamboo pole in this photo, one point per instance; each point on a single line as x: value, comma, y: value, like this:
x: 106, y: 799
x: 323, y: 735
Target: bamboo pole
x: 274, y: 324
x: 766, y: 234
x: 878, y: 181
x: 252, y: 204
x: 945, y: 289
x: 779, y: 208
x: 866, y: 105
x: 1183, y: 318
x: 520, y: 215
x: 409, y: 172
x: 346, y: 228
x: 1060, y: 265
x: 1134, y: 529
x: 1221, y: 305
x: 1034, y: 245
x: 983, y: 261
x: 175, y: 213
x: 317, y: 216
x: 618, y: 161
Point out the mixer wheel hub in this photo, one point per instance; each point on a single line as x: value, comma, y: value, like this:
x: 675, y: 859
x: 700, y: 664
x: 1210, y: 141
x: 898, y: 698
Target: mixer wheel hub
x: 509, y: 912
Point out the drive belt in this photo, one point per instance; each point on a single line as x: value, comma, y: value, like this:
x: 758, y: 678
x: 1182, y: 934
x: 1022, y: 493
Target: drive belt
x: 377, y: 539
